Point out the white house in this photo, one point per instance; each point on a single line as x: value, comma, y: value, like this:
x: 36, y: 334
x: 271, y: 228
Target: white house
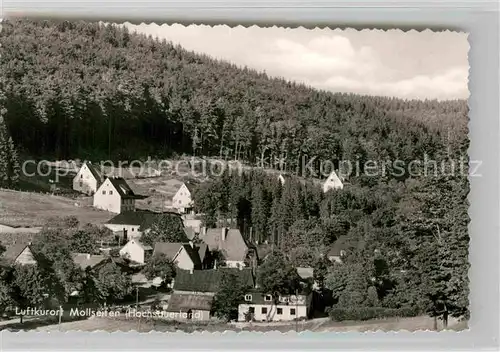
x: 338, y: 250
x: 332, y: 182
x: 88, y: 179
x: 182, y: 200
x: 185, y: 256
x: 262, y: 307
x: 135, y: 251
x: 115, y: 196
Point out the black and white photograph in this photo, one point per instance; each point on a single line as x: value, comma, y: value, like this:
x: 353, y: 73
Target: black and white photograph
x: 210, y: 178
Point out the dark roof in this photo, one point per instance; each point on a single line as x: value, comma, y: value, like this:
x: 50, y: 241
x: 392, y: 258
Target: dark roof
x: 181, y: 302
x: 169, y: 249
x: 13, y: 250
x: 340, y: 244
x: 93, y: 170
x: 139, y: 217
x: 202, y: 251
x: 233, y: 247
x: 122, y: 187
x: 208, y: 280
x: 190, y: 186
x: 85, y: 260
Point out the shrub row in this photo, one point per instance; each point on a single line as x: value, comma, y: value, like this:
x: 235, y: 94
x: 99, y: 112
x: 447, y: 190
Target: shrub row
x: 366, y: 313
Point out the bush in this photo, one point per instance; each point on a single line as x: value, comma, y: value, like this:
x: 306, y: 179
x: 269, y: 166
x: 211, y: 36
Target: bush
x: 366, y: 313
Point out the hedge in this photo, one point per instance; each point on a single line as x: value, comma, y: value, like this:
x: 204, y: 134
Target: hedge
x: 366, y: 313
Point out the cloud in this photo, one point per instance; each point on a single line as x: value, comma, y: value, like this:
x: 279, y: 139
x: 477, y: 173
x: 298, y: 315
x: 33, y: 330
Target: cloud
x: 420, y: 65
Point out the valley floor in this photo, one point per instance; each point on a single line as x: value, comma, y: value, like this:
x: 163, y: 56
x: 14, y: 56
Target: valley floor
x: 315, y: 325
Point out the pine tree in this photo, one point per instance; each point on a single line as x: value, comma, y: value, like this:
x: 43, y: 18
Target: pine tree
x: 9, y: 161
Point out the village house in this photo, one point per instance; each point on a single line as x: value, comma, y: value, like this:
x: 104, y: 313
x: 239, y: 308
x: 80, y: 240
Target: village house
x: 307, y: 275
x: 262, y: 307
x: 20, y: 253
x: 229, y: 242
x: 182, y: 200
x: 337, y: 250
x: 136, y: 252
x: 194, y: 290
x: 332, y: 182
x: 88, y: 179
x: 131, y: 224
x: 115, y: 196
x: 185, y: 256
x: 87, y: 260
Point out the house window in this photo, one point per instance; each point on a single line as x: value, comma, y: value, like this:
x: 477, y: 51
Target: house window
x: 81, y: 176
x: 179, y: 201
x: 248, y: 298
x: 263, y: 310
x: 251, y: 310
x: 133, y: 229
x: 292, y: 311
x: 268, y: 298
x: 103, y: 192
x: 279, y: 311
x: 81, y: 184
x: 110, y: 192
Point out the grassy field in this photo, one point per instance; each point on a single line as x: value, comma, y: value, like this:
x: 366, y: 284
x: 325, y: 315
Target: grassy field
x: 29, y: 209
x: 317, y: 325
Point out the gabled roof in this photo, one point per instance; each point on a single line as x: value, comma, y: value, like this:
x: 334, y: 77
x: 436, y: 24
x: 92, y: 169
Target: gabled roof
x: 169, y: 249
x: 182, y: 302
x: 13, y: 250
x: 339, y: 245
x: 233, y: 247
x: 93, y: 170
x: 202, y: 251
x: 190, y: 186
x: 138, y: 218
x: 305, y: 273
x: 85, y: 260
x: 208, y: 280
x: 122, y: 187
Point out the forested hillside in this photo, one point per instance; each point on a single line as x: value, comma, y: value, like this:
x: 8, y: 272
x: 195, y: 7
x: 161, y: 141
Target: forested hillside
x: 89, y: 91
x: 92, y: 91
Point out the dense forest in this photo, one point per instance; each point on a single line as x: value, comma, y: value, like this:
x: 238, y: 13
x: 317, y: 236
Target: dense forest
x: 92, y: 91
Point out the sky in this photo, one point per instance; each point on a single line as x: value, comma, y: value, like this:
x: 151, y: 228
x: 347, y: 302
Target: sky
x: 411, y: 65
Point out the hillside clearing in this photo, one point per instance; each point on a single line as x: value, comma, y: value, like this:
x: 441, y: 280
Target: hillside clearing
x: 26, y: 209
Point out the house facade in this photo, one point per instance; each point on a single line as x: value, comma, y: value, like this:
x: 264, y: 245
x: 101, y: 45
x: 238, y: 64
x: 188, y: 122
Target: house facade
x: 135, y: 251
x: 262, y: 307
x: 26, y: 257
x: 182, y: 200
x: 115, y: 196
x: 87, y: 180
x: 332, y: 182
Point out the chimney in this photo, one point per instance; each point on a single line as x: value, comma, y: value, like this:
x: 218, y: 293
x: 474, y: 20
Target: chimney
x: 88, y: 255
x: 224, y: 233
x: 191, y: 271
x: 191, y: 244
